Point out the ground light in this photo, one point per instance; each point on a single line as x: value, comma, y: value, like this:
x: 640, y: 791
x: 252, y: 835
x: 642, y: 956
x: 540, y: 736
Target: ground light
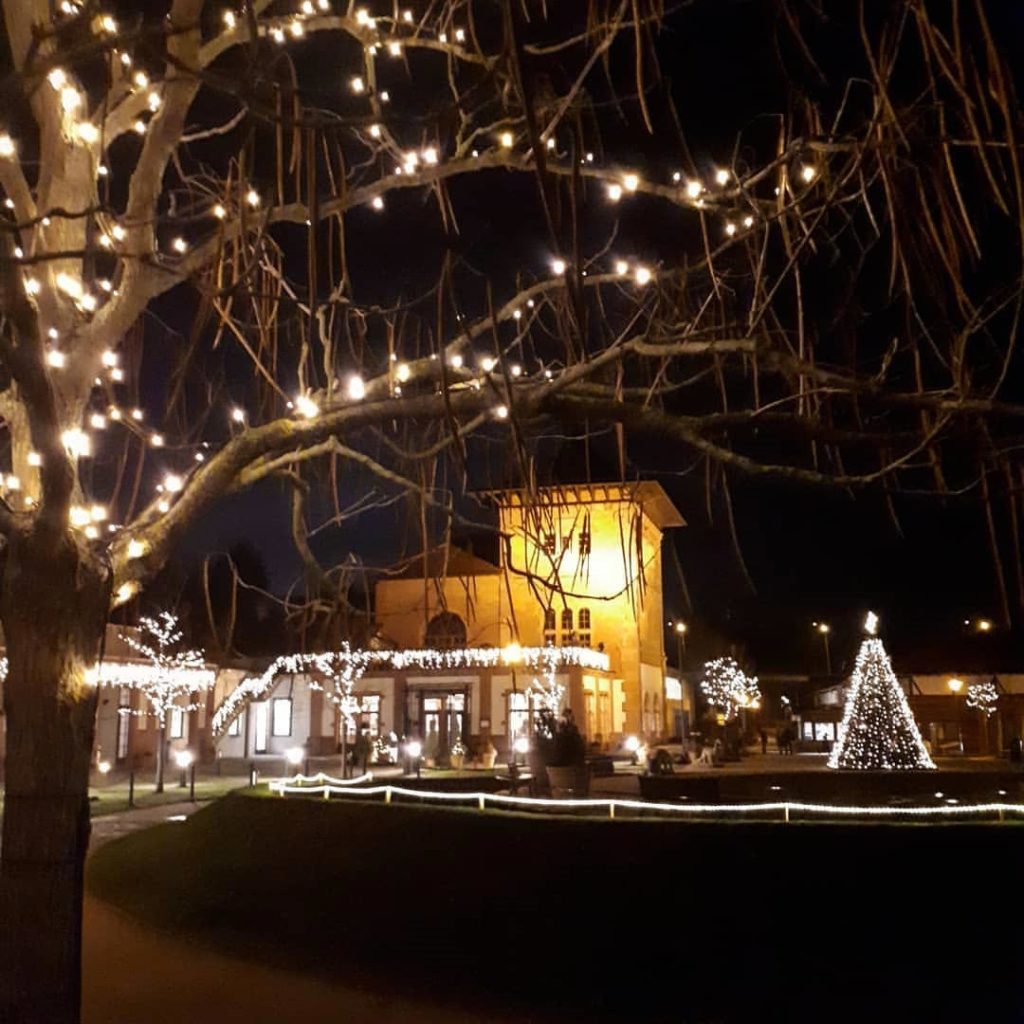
x: 413, y: 750
x: 187, y: 763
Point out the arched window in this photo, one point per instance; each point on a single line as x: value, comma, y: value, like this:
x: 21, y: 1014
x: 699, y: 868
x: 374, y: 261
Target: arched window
x: 445, y: 631
x: 584, y: 630
x: 566, y: 625
x: 549, y: 627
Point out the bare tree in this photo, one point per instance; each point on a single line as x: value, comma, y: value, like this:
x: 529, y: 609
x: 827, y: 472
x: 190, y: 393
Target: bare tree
x: 837, y: 306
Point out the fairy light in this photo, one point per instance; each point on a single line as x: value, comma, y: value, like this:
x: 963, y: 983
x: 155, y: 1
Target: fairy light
x: 356, y: 388
x: 76, y: 442
x: 558, y: 267
x: 982, y: 697
x: 487, y: 364
x: 402, y: 372
x: 137, y: 548
x: 7, y: 147
x: 377, y: 203
x: 748, y: 221
x: 56, y: 359
x: 238, y: 415
x: 35, y: 460
x: 631, y: 182
x: 501, y: 412
x: 98, y: 513
x: 13, y: 482
x: 32, y: 286
x: 156, y: 440
x: 252, y: 197
x: 385, y: 96
x: 460, y: 35
x: 57, y: 78
x: 141, y: 79
x: 728, y: 688
x: 730, y: 229
x: 506, y: 139
x: 395, y: 48
x: 173, y: 483
x: 306, y: 407
x: 430, y: 155
x: 349, y: 664
x: 117, y: 375
x: 621, y: 268
x: 219, y: 211
x: 229, y: 19
x: 78, y: 517
x: 614, y: 192
x: 357, y: 85
x: 137, y: 415
x: 375, y: 131
x: 407, y: 16
x: 642, y: 276
x: 363, y: 18
x: 878, y: 730
x: 98, y: 421
x: 126, y: 592
x: 139, y: 127
x: 455, y: 361
x: 722, y: 176
x: 154, y: 101
x: 808, y: 173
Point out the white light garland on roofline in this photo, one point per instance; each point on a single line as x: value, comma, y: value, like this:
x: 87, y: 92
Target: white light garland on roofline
x: 346, y: 666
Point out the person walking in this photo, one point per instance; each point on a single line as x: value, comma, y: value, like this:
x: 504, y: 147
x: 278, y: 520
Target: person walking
x: 764, y: 740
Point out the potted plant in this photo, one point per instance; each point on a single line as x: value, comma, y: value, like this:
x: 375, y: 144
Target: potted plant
x: 488, y: 754
x: 457, y: 754
x: 561, y: 750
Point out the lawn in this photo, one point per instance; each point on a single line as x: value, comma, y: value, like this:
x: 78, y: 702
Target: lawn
x: 591, y: 919
x: 110, y: 799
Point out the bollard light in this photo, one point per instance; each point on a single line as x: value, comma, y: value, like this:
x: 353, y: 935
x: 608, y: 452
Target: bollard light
x: 294, y: 755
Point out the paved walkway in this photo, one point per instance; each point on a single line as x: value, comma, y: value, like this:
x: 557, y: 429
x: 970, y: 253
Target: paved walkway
x: 132, y: 975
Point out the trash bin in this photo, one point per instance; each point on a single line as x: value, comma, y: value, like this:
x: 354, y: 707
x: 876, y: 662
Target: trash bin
x: 1016, y: 750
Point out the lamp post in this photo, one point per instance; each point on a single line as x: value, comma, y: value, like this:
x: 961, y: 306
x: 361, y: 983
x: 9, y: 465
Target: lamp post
x: 294, y: 756
x: 955, y: 686
x: 824, y: 629
x: 513, y: 654
x: 413, y: 749
x: 183, y: 759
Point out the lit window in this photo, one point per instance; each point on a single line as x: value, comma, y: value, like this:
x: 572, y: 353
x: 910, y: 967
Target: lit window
x: 549, y: 627
x: 176, y: 729
x: 282, y: 720
x: 566, y: 624
x: 235, y: 728
x: 549, y: 542
x: 260, y: 728
x: 584, y: 542
x: 584, y: 623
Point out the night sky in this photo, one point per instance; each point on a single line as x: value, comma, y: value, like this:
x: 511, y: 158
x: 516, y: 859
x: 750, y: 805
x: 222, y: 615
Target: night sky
x: 798, y: 553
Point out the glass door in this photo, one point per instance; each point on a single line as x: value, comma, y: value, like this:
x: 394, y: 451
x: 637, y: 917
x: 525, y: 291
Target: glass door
x: 259, y: 727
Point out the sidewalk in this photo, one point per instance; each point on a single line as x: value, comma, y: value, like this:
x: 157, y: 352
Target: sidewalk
x: 132, y: 974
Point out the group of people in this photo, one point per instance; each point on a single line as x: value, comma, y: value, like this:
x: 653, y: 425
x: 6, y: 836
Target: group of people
x: 783, y: 739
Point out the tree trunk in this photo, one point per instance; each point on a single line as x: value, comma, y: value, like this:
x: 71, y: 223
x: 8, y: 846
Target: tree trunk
x: 54, y: 598
x: 161, y: 750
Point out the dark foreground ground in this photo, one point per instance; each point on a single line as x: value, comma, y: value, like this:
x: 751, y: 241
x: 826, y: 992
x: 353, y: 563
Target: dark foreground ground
x: 529, y: 918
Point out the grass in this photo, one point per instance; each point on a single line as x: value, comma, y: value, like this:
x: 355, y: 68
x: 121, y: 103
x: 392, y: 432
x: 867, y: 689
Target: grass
x: 585, y: 919
x: 109, y: 799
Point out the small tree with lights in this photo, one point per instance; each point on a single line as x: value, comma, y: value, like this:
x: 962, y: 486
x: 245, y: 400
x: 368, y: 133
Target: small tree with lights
x: 878, y: 730
x: 727, y: 688
x: 174, y: 680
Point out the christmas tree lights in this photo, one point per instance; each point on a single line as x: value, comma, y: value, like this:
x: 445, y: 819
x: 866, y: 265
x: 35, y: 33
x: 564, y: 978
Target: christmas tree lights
x: 878, y: 731
x: 983, y: 697
x: 728, y: 688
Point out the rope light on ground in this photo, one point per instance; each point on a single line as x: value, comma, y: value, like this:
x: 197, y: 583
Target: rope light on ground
x: 287, y: 787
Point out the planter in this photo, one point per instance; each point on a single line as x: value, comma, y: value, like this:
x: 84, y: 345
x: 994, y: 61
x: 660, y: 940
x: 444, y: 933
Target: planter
x: 456, y: 761
x: 488, y: 756
x: 569, y: 780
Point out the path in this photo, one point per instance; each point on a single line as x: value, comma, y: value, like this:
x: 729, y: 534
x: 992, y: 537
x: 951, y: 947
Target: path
x: 134, y: 975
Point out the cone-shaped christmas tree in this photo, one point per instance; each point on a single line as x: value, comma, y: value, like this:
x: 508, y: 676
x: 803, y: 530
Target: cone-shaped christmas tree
x: 878, y: 730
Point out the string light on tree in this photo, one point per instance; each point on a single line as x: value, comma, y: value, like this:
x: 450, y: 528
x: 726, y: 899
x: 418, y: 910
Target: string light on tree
x: 727, y: 688
x: 983, y: 697
x: 878, y: 731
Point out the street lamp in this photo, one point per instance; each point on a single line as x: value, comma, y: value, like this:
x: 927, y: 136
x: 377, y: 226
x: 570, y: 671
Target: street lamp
x: 187, y: 763
x: 955, y: 686
x: 413, y: 749
x: 294, y: 756
x: 824, y: 629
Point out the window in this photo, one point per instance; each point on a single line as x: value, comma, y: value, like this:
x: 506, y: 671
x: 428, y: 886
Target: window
x: 549, y: 627
x: 566, y: 541
x: 282, y: 721
x: 176, y: 726
x: 235, y: 728
x: 566, y: 624
x: 825, y: 731
x: 584, y: 623
x: 124, y: 703
x: 259, y: 728
x: 549, y: 541
x: 584, y: 542
x: 445, y: 631
x: 367, y: 717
